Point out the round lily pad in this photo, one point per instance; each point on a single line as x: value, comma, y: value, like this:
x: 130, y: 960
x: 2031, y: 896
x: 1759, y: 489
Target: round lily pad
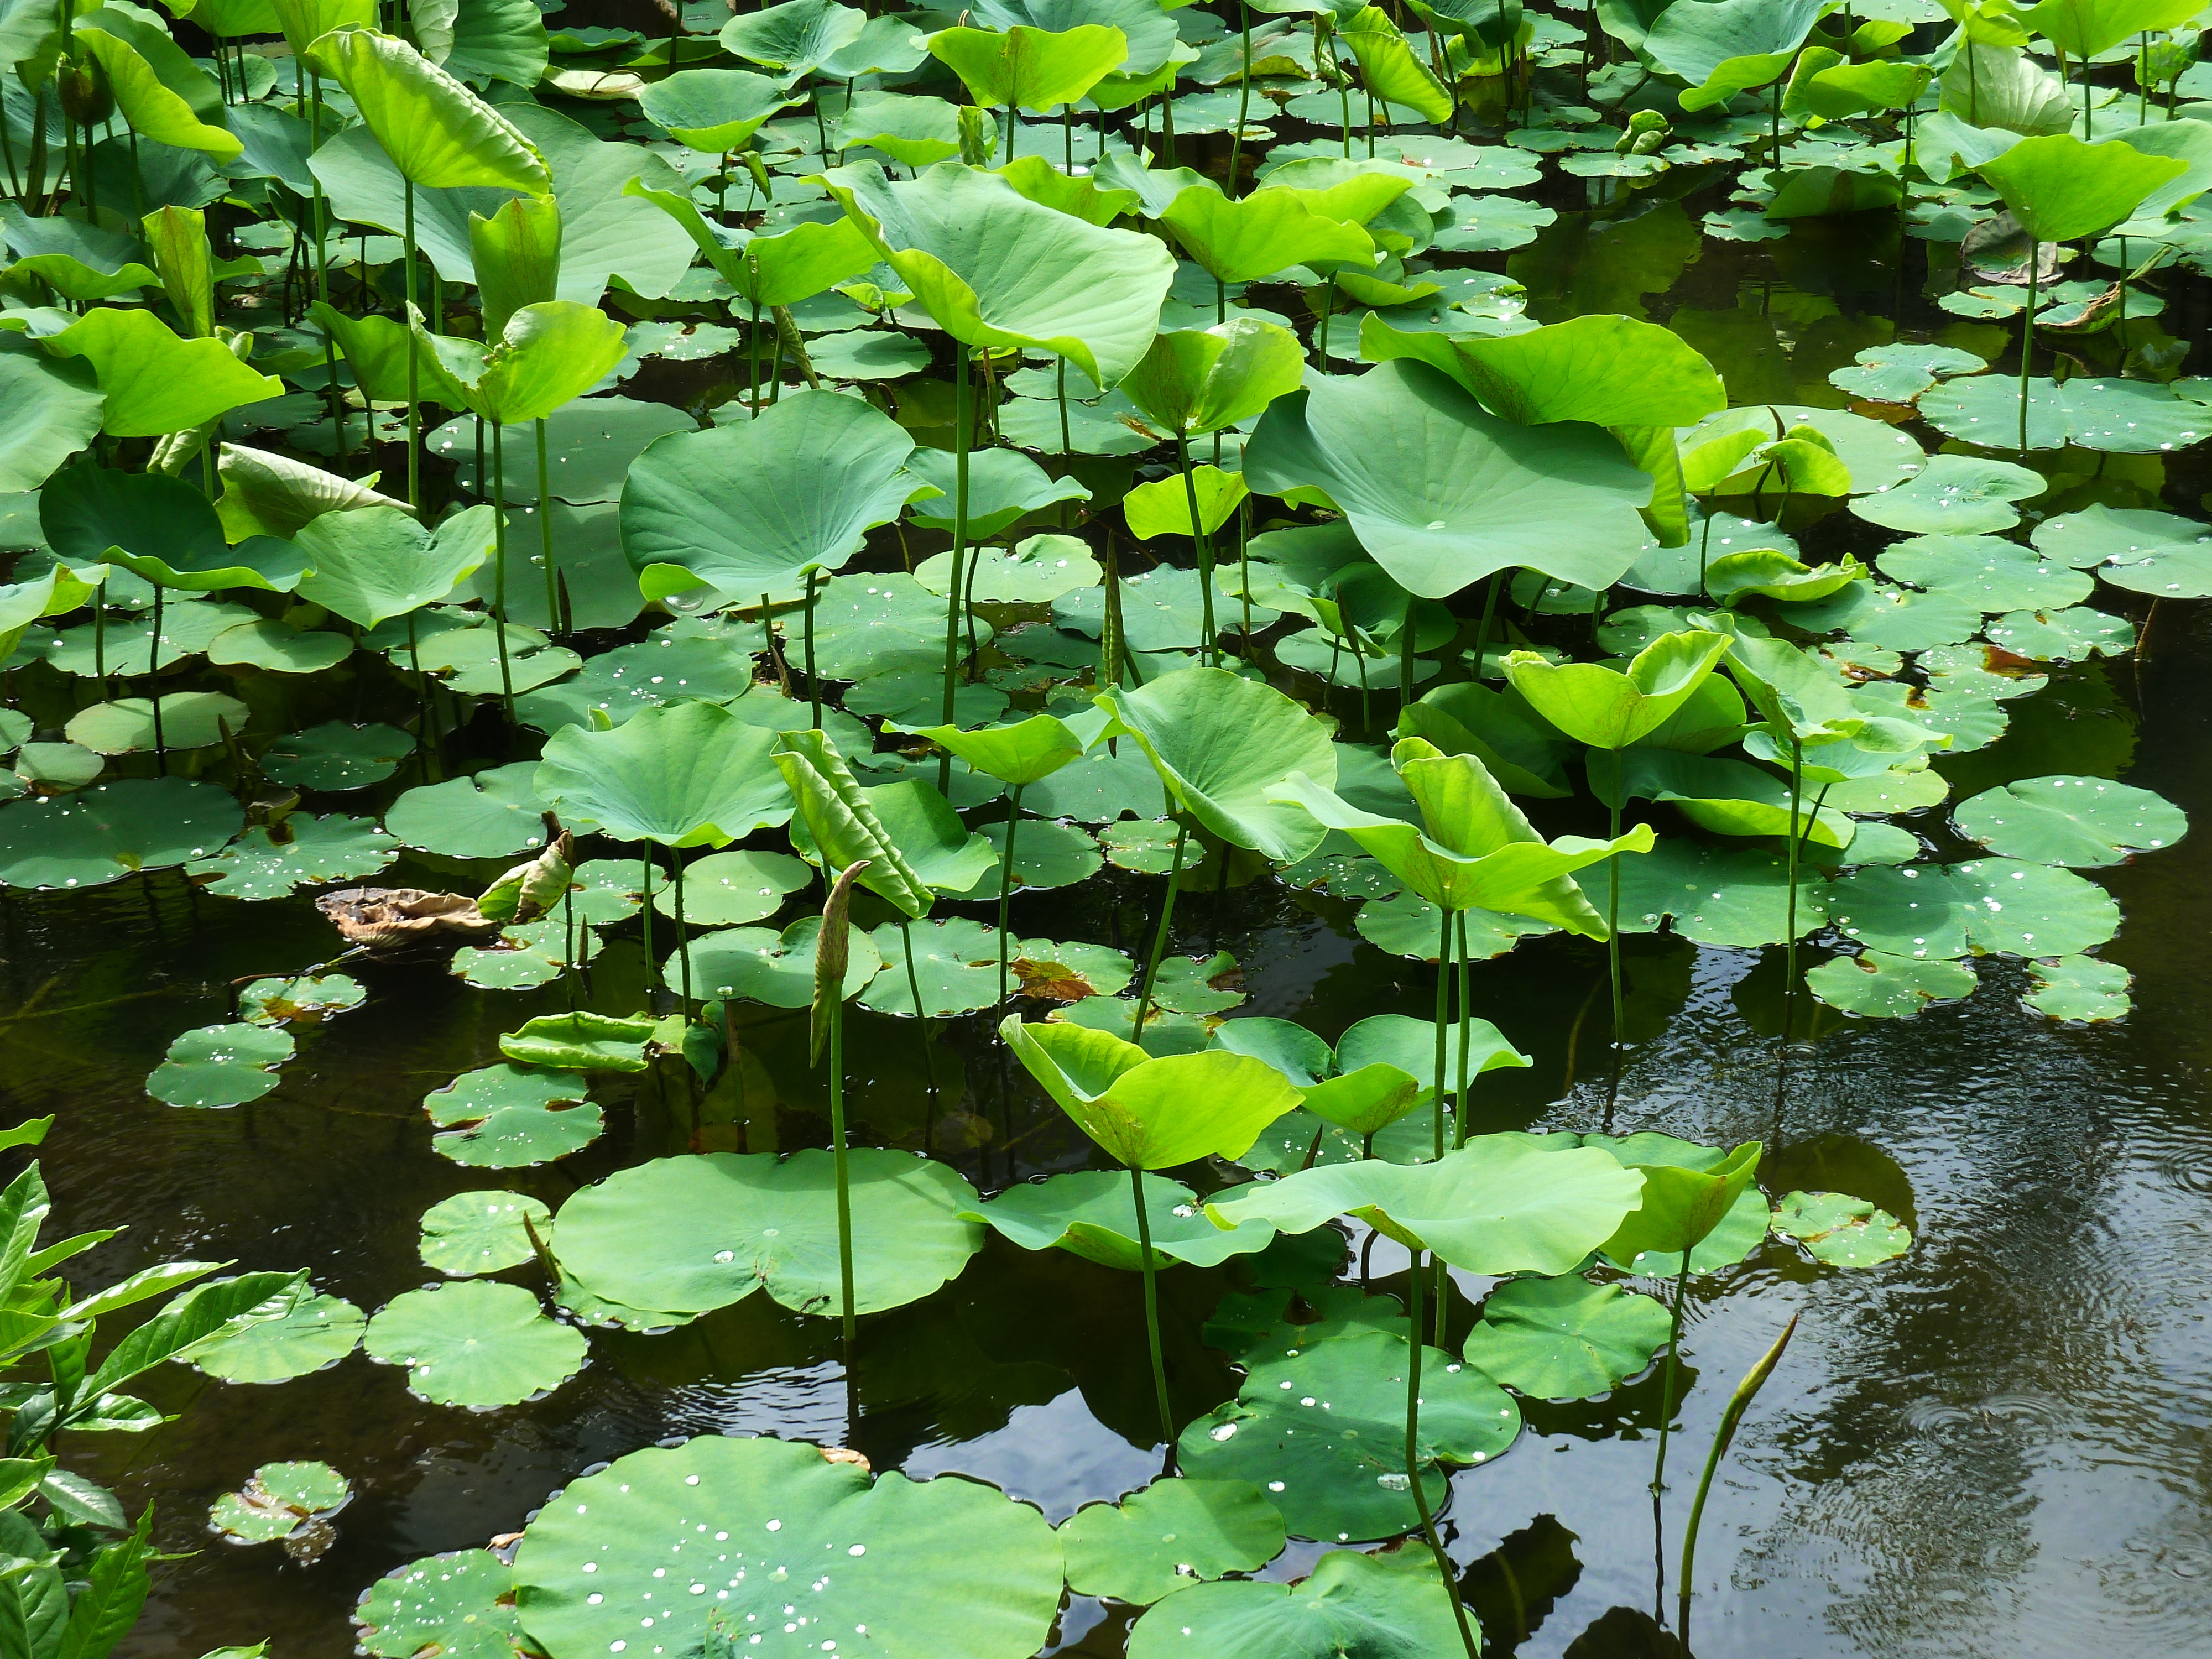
x: 1841, y: 1230
x: 762, y: 965
x: 268, y: 862
x: 505, y: 1117
x: 474, y: 1343
x: 2031, y: 909
x: 2133, y: 417
x: 2161, y: 554
x: 306, y: 1000
x: 527, y: 955
x: 1046, y: 855
x: 867, y: 353
x: 2078, y: 988
x: 2074, y: 634
x: 318, y: 1330
x: 1377, y: 1607
x: 1955, y: 495
x: 660, y: 669
x: 494, y: 814
x: 1989, y: 572
x: 1056, y: 971
x: 766, y: 1538
x: 1172, y: 1534
x: 1323, y: 1434
x: 955, y: 962
x: 481, y: 1232
x: 267, y: 644
x: 1711, y: 895
x: 1565, y: 1339
x: 2081, y: 822
x: 221, y: 1066
x: 1915, y: 911
x: 687, y: 1234
x: 1185, y: 985
x: 1899, y: 372
x: 337, y: 755
x: 1407, y: 925
x: 452, y: 1606
x: 1099, y: 788
x: 55, y: 769
x: 280, y: 1499
x: 723, y: 889
x: 1876, y: 985
x: 1971, y: 719
x: 189, y: 719
x: 1092, y: 1213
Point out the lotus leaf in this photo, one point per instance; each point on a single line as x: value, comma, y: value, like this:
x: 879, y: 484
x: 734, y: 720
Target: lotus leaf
x: 304, y: 1001
x: 2131, y: 417
x: 1003, y: 488
x: 2084, y: 821
x: 436, y: 132
x: 687, y: 774
x: 1380, y: 1607
x: 1608, y: 371
x: 2074, y: 634
x: 1030, y: 68
x: 269, y: 862
x: 372, y: 563
x: 494, y: 814
x: 461, y: 1606
x: 796, y: 37
x: 1876, y: 985
x: 581, y: 1041
x: 714, y: 109
x: 337, y: 755
x: 2078, y: 988
x: 280, y: 1499
x: 1565, y: 1339
x: 505, y: 1117
x: 103, y: 834
x: 221, y: 1066
x: 2161, y: 554
x: 316, y: 1331
x: 1198, y: 380
x: 1841, y: 1230
x: 189, y: 719
x: 2061, y: 189
x: 1091, y: 1214
x: 160, y: 528
x: 55, y: 411
x: 761, y: 965
x: 474, y: 1343
x: 590, y: 444
x: 1711, y: 897
x: 480, y: 1232
x: 1173, y: 1533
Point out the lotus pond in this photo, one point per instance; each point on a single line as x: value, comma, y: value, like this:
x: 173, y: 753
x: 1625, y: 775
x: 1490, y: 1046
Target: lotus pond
x: 1254, y: 830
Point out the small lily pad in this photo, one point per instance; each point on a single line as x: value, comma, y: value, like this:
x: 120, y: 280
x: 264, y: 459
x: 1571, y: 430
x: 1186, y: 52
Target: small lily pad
x: 1875, y: 985
x: 723, y: 889
x: 507, y: 1117
x: 1710, y: 895
x: 1047, y: 855
x: 2074, y: 634
x: 453, y: 1607
x: 1991, y: 574
x: 268, y: 862
x: 2084, y: 823
x: 279, y: 1500
x: 955, y: 962
x: 1565, y: 1339
x: 1069, y: 971
x: 318, y: 1331
x: 494, y: 814
x: 1407, y: 925
x: 337, y: 755
x: 221, y: 1066
x: 867, y: 353
x: 762, y: 965
x: 475, y: 1343
x: 1172, y: 1534
x: 1954, y: 494
x: 189, y: 719
x: 481, y: 1232
x: 527, y: 955
x: 579, y: 1041
x: 1379, y: 1606
x: 1841, y: 1230
x: 1186, y: 985
x: 307, y: 1000
x: 2079, y: 988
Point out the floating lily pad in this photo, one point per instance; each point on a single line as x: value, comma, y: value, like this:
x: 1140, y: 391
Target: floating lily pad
x: 533, y: 954
x: 267, y: 863
x: 307, y: 1000
x: 1841, y: 1230
x: 2133, y: 417
x: 955, y: 962
x: 481, y: 1232
x: 687, y: 1234
x: 762, y: 965
x: 723, y: 889
x: 1385, y: 1606
x: 1899, y: 372
x: 2161, y: 554
x: 1710, y: 895
x: 1989, y: 572
x: 452, y: 1606
x: 1876, y: 985
x: 267, y: 644
x: 474, y: 1343
x: 2074, y: 634
x: 1172, y: 1534
x: 1565, y: 1339
x: 2083, y: 821
x: 1894, y: 618
x: 1186, y: 985
x: 1046, y: 855
x: 1092, y: 1213
x: 784, y: 1544
x: 2033, y: 910
x: 280, y: 1499
x: 221, y: 1066
x: 1100, y: 788
x: 607, y: 891
x: 189, y: 719
x: 1324, y: 1434
x: 1915, y: 912
x: 867, y: 353
x: 579, y: 1041
x: 1954, y: 494
x: 2078, y: 988
x: 317, y: 1330
x: 494, y: 814
x: 507, y: 1117
x: 661, y: 669
x: 1055, y: 970
x: 1970, y: 719
x: 589, y: 445
x: 337, y: 756
x: 1407, y: 925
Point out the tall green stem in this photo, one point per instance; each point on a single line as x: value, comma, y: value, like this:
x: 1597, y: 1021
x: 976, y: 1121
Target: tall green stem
x: 1204, y: 547
x: 1243, y: 103
x: 499, y: 558
x: 545, y: 536
x: 1797, y: 793
x: 414, y: 394
x: 1723, y: 1437
x: 1160, y: 936
x: 1466, y: 1008
x: 960, y: 420
x: 838, y: 1161
x: 813, y: 680
x: 1667, y: 1377
x: 1152, y: 1314
x: 683, y: 945
x: 1443, y: 979
x: 1612, y: 917
x: 2027, y: 333
x: 1414, y: 1276
x: 1006, y: 887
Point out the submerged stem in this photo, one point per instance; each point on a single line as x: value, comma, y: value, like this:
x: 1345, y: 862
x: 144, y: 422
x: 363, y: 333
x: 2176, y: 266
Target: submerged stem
x: 1739, y: 1403
x: 1152, y: 1314
x: 1666, y: 1382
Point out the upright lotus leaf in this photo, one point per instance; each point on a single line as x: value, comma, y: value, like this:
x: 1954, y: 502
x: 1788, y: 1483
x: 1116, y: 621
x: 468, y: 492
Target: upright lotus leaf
x: 1148, y: 26
x: 1031, y: 69
x: 155, y: 383
x: 1391, y: 69
x: 796, y: 37
x: 1607, y: 708
x: 177, y: 238
x: 1148, y: 1113
x: 1250, y: 237
x: 1029, y: 751
x: 303, y: 23
x: 375, y: 349
x: 751, y: 506
x: 1441, y: 492
x: 769, y: 270
x: 842, y: 824
x: 160, y: 528
x: 2082, y: 28
x: 2062, y: 189
x: 1501, y: 1204
x: 373, y: 563
x: 54, y: 410
x: 550, y: 353
x: 1377, y: 1074
x: 438, y: 133
x: 265, y: 494
x: 1607, y: 370
x: 1682, y: 1204
x: 146, y: 102
x: 1222, y: 743
x: 1083, y: 197
x: 682, y: 775
x: 1721, y: 48
x: 1089, y: 294
x: 714, y: 110
x: 1358, y: 192
x: 1197, y: 380
x: 1478, y: 851
x: 517, y: 255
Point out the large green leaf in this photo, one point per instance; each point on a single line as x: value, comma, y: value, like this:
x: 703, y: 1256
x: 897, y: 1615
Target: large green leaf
x: 1172, y: 1534
x: 1194, y: 380
x: 436, y: 132
x: 2061, y: 189
x: 1028, y: 68
x: 687, y: 774
x: 714, y: 109
x: 1721, y: 48
x: 104, y: 833
x: 550, y: 353
x: 376, y: 563
x: 1565, y: 1339
x: 1687, y: 1191
x: 54, y: 410
x: 2082, y: 28
x: 475, y: 1343
x: 1088, y: 295
x: 1253, y: 236
x: 160, y: 528
x: 1607, y: 708
x: 796, y: 37
x: 1443, y: 493
x: 1024, y: 752
x: 768, y: 271
x: 456, y: 1606
x: 1379, y: 1606
x: 149, y: 106
x: 2084, y: 821
x: 155, y: 383
x: 1605, y: 370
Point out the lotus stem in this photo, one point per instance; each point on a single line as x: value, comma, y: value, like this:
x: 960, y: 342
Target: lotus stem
x: 1405, y: 644
x: 1065, y: 444
x: 1204, y: 550
x: 1612, y: 914
x: 1110, y: 627
x: 645, y: 878
x: 2027, y: 333
x: 752, y: 354
x: 414, y: 394
x: 1482, y: 627
x: 154, y: 687
x: 961, y: 419
x: 1244, y: 108
x: 1243, y: 563
x: 1413, y: 1281
x: 1466, y: 997
x: 499, y: 559
x: 545, y: 536
x: 913, y: 989
x: 1797, y: 793
x: 838, y: 1159
x: 1739, y: 1403
x: 1005, y: 891
x: 1667, y: 1375
x: 1153, y: 1314
x: 683, y: 943
x: 1160, y: 936
x: 813, y: 680
x: 1443, y: 980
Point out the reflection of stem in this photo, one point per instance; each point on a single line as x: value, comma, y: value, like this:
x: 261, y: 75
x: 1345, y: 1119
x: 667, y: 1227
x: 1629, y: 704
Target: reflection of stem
x: 1414, y: 1279
x: 1160, y: 938
x: 154, y: 687
x: 645, y: 876
x: 1666, y: 1379
x: 1739, y: 1403
x: 1152, y: 1314
x: 1797, y: 793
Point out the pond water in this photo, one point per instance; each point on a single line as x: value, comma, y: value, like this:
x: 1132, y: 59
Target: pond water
x: 1994, y: 1445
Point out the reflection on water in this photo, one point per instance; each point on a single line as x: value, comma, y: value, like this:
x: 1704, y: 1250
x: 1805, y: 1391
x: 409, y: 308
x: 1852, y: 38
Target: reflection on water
x: 1997, y: 1445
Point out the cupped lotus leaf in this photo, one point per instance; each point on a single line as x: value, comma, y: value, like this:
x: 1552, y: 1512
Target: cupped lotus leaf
x: 1606, y: 708
x: 373, y: 563
x: 796, y: 37
x: 994, y: 268
x: 1765, y: 574
x: 1081, y: 196
x: 481, y: 1232
x: 930, y: 1568
x: 154, y: 382
x: 160, y: 528
x: 1721, y: 48
x: 1324, y: 1432
x: 516, y: 251
x: 1499, y: 729
x: 1028, y: 68
x: 317, y: 1330
x: 54, y: 410
x: 550, y: 353
x: 687, y: 1234
x: 2061, y: 189
x: 1151, y: 1114
x: 265, y: 494
x: 1172, y: 1534
x: 2133, y: 417
x: 762, y: 965
x: 279, y: 1500
x: 1875, y: 985
x: 1565, y: 1338
x: 780, y: 270
x: 1391, y: 69
x: 1222, y: 745
x: 506, y: 1117
x: 840, y: 820
x: 1729, y: 798
x: 1194, y: 380
x: 146, y: 102
x: 751, y: 507
x: 438, y: 133
x: 490, y: 814
x: 1022, y: 753
x: 460, y: 1606
x: 1161, y: 508
x: 1379, y: 1606
x: 1841, y: 1230
x: 1499, y: 1204
x: 475, y: 1343
x: 1687, y: 1191
x: 1253, y: 236
x: 2082, y: 28
x: 579, y: 1041
x: 684, y: 775
x: 867, y: 353
x: 913, y: 131
x: 1383, y: 1067
x: 1604, y: 370
x: 1004, y: 486
x: 716, y: 110
x: 1091, y: 1214
x: 1443, y: 493
x: 221, y: 1066
x: 2084, y: 822
x: 104, y: 833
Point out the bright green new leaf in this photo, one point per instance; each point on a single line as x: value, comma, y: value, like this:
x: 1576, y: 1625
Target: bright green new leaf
x: 842, y: 823
x: 54, y: 410
x: 2082, y: 28
x: 1687, y: 1190
x: 1027, y: 67
x: 1023, y: 753
x: 550, y: 353
x: 436, y: 132
x: 1256, y: 235
x: 1607, y: 370
x: 517, y: 255
x: 154, y: 382
x: 1607, y: 709
x: 177, y: 238
x: 1721, y: 48
x: 1195, y: 381
x: 769, y: 270
x: 151, y: 108
x: 685, y: 775
x: 1390, y: 69
x: 2061, y: 189
x: 796, y: 37
x: 376, y: 563
x: 1161, y: 508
